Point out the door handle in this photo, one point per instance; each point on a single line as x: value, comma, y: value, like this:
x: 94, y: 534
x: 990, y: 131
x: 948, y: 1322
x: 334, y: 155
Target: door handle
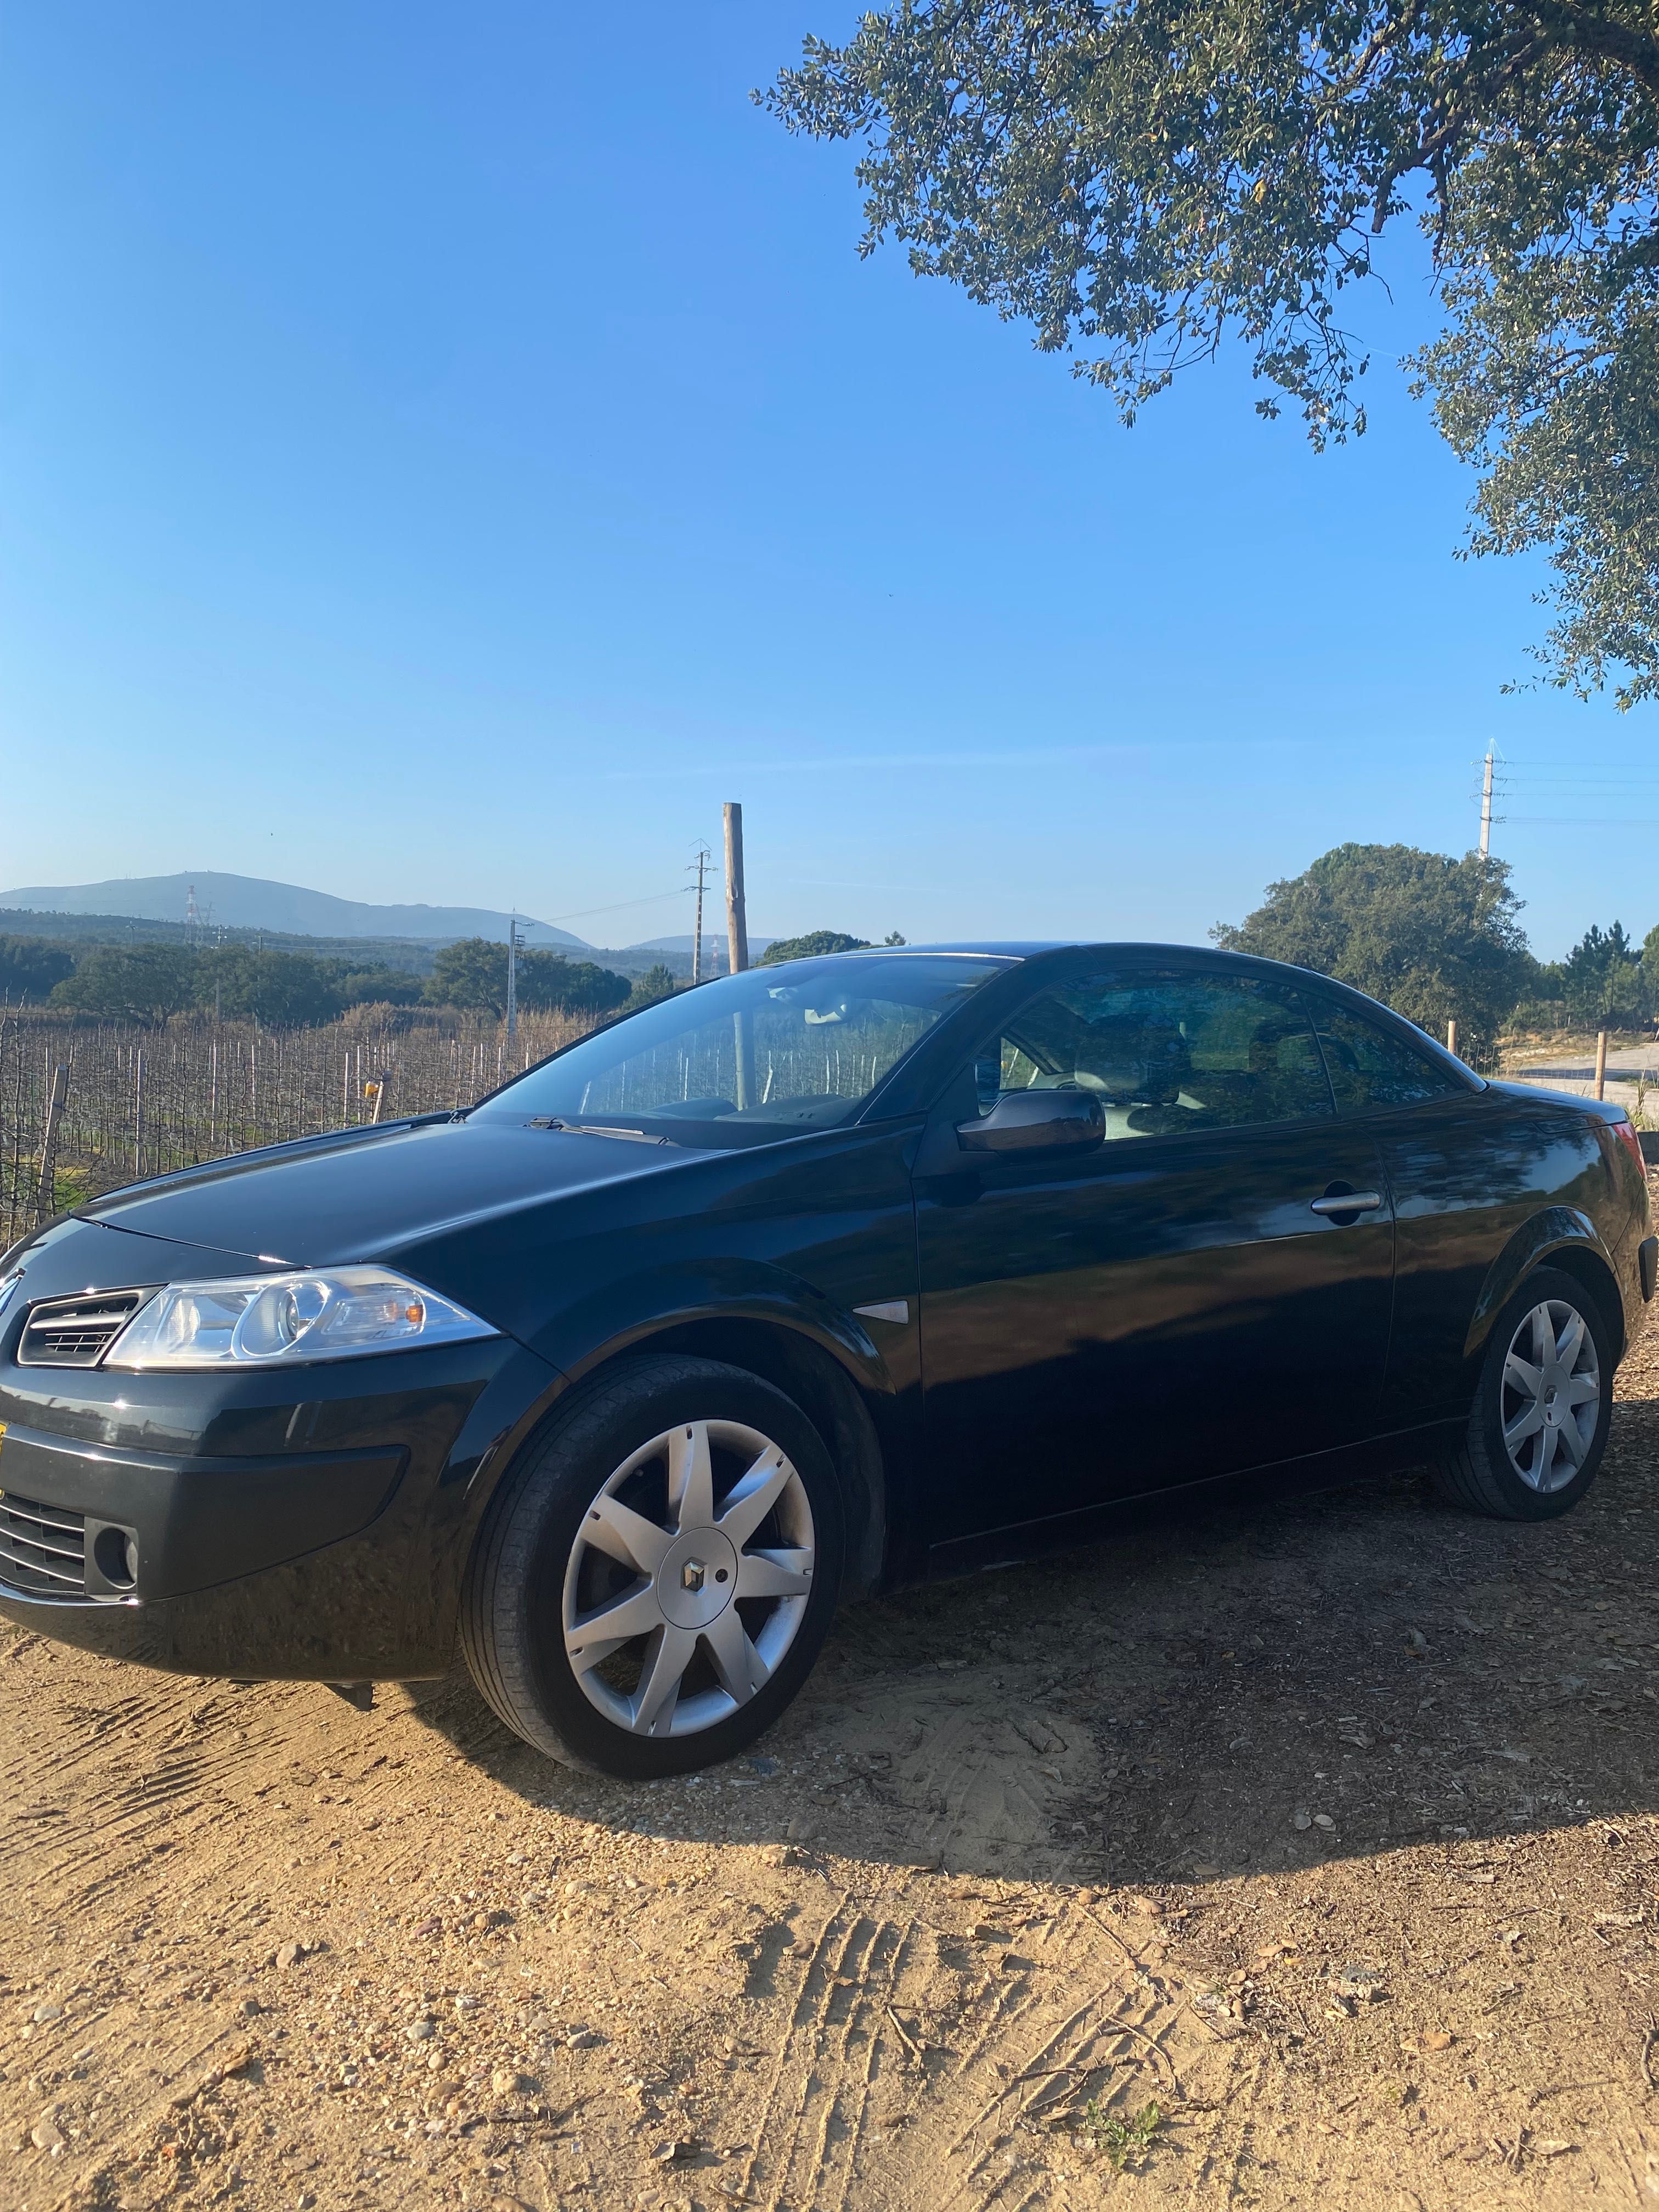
x: 1345, y: 1202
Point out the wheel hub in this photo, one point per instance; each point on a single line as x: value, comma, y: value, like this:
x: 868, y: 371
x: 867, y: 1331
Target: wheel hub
x: 696, y: 1580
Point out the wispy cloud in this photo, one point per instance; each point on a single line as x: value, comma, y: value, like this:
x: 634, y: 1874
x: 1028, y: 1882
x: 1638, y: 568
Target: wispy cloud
x: 835, y: 764
x: 1139, y: 753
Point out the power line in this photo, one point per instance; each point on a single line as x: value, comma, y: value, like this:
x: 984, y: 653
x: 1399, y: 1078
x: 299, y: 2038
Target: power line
x: 655, y: 898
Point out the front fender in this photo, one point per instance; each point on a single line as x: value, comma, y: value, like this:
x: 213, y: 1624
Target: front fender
x: 1556, y: 1229
x: 626, y: 1312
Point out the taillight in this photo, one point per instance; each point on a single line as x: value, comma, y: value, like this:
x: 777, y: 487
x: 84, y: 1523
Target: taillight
x: 1627, y: 1133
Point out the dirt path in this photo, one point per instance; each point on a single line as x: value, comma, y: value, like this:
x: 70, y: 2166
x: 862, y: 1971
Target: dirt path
x: 1329, y: 1830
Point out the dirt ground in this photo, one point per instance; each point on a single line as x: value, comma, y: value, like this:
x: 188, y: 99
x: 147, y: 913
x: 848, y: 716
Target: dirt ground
x: 1301, y: 1856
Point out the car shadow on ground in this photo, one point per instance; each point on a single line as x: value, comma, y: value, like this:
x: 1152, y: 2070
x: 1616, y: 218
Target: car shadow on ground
x: 1277, y: 1685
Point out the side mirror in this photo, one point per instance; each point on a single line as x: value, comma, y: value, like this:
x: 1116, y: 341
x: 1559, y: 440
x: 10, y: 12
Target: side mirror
x: 1037, y: 1121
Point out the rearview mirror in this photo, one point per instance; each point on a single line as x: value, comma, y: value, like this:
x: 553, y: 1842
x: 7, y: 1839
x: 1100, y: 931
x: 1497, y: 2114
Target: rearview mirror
x: 1037, y: 1121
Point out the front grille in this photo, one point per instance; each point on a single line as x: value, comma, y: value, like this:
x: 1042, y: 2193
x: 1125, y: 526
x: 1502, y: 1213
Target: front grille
x: 43, y: 1548
x: 76, y: 1332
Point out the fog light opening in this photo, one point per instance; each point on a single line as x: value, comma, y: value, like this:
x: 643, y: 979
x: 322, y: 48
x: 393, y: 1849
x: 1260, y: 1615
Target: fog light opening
x: 115, y: 1555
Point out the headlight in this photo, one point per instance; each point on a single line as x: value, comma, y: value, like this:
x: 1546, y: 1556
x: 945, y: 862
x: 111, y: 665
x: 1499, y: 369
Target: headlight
x: 333, y: 1313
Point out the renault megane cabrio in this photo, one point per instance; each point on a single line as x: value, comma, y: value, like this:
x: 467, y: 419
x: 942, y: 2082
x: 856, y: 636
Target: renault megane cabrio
x: 810, y: 1281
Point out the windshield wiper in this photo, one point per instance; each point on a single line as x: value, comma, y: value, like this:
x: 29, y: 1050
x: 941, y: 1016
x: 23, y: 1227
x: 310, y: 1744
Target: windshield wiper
x: 594, y: 1129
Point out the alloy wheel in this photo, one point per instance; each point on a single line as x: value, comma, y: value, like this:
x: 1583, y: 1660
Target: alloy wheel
x: 1552, y: 1395
x: 689, y: 1579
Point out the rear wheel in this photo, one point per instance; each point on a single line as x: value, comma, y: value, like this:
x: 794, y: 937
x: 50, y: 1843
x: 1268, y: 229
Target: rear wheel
x: 653, y: 1582
x: 1539, y: 1425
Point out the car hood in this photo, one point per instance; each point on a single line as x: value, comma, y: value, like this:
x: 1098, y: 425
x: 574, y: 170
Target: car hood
x: 329, y: 1200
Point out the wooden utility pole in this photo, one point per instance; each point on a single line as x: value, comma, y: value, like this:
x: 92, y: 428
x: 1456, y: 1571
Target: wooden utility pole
x: 1601, y: 1063
x: 1451, y: 1039
x: 46, y: 1193
x: 737, y: 939
x: 737, y: 920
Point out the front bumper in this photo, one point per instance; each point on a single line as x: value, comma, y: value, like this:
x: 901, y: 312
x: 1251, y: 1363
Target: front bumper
x: 312, y: 1525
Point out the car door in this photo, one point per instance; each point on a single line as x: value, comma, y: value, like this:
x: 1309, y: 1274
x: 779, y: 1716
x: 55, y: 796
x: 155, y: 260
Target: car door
x: 1179, y: 1300
x: 1467, y: 1165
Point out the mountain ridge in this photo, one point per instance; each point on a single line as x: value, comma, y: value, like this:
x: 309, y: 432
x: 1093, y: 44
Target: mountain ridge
x: 260, y: 902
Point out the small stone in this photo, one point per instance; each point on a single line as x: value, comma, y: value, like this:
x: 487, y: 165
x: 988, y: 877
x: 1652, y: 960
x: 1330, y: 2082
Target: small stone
x: 42, y: 2012
x: 583, y: 2038
x: 984, y: 1933
x: 1323, y: 1820
x: 683, y: 2147
x: 1437, y: 2038
x: 420, y: 2031
x: 505, y: 2082
x: 1302, y: 1818
x: 926, y: 1862
x: 464, y: 2004
x: 46, y: 2134
x: 430, y: 1926
x: 289, y: 1955
x: 800, y: 1830
x: 766, y: 1765
x: 1204, y: 1870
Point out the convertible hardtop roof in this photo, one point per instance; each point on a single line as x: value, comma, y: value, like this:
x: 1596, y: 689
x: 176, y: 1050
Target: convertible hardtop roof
x: 1033, y: 948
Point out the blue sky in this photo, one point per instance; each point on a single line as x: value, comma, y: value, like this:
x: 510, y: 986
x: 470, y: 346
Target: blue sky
x: 447, y: 452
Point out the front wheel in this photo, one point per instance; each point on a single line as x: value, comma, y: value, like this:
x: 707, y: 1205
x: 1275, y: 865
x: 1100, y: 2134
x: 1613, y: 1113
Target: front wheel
x: 653, y: 1582
x: 1539, y: 1425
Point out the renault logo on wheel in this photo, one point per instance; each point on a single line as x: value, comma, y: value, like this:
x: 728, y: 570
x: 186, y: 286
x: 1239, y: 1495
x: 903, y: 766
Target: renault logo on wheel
x: 692, y: 1575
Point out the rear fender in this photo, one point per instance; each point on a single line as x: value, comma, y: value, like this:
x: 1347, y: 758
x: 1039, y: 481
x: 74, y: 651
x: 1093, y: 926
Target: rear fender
x: 1559, y: 1236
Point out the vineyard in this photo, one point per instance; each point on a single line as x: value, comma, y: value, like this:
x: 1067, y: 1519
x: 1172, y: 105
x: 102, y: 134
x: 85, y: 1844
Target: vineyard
x: 135, y: 1101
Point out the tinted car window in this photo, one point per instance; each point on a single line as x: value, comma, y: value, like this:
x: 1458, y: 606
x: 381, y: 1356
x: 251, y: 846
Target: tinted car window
x: 1370, y: 1066
x: 750, y: 1058
x: 1166, y: 1053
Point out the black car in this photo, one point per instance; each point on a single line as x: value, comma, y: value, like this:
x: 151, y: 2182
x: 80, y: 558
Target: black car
x: 813, y: 1281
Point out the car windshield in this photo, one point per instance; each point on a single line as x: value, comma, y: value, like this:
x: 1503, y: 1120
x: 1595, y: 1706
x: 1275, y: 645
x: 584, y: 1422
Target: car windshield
x: 752, y: 1058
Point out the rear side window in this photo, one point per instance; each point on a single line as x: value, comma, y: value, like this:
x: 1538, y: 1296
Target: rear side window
x: 1370, y: 1066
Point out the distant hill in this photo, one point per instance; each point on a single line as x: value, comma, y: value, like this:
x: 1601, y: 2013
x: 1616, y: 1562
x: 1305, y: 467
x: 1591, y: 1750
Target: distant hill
x: 83, y: 931
x: 250, y: 903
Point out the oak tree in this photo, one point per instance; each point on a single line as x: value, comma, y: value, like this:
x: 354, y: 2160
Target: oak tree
x: 1436, y: 938
x: 1144, y: 180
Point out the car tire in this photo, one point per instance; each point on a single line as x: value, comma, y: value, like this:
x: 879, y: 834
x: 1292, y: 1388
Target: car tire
x: 1522, y: 1457
x: 588, y: 1531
